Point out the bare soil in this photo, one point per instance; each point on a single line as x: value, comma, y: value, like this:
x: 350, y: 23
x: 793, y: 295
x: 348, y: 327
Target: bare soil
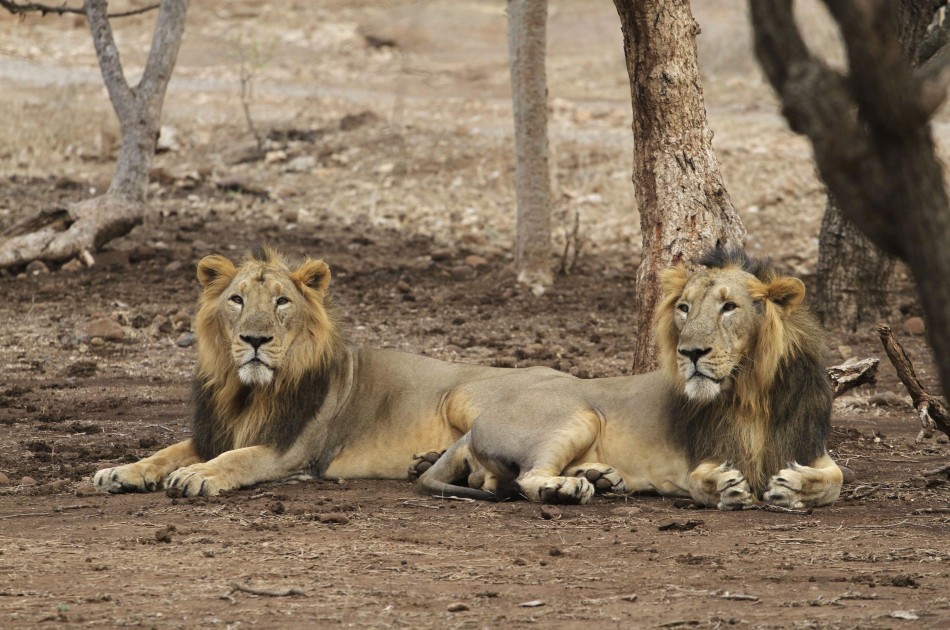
x: 405, y: 188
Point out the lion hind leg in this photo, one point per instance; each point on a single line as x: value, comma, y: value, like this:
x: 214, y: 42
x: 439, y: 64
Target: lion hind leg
x: 148, y: 474
x: 721, y: 486
x: 800, y: 486
x: 441, y: 478
x: 545, y: 488
x: 604, y: 478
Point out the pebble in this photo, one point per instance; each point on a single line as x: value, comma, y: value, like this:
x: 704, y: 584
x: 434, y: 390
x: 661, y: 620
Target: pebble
x: 36, y: 268
x: 440, y: 254
x: 462, y: 272
x: 106, y: 329
x: 4, y: 480
x: 27, y: 481
x: 475, y: 262
x: 301, y: 164
x: 943, y: 439
x: 73, y: 265
x: 457, y: 607
x: 173, y: 266
x: 914, y: 326
x: 186, y: 340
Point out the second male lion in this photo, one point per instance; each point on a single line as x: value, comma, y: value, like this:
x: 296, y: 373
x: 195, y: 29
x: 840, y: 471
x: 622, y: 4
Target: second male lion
x: 739, y: 412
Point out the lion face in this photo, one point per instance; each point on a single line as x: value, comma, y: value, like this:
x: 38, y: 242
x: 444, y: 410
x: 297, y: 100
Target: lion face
x: 257, y: 317
x: 718, y: 323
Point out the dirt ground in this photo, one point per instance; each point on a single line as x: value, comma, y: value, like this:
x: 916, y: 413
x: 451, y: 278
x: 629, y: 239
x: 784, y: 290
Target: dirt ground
x: 388, y: 153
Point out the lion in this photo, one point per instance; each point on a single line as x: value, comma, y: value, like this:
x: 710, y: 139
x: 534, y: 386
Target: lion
x: 279, y: 391
x: 738, y: 413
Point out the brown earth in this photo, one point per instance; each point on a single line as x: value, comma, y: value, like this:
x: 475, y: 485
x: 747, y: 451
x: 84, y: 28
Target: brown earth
x: 404, y: 187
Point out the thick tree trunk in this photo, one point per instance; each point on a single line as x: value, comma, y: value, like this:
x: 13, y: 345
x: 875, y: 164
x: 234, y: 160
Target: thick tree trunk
x: 684, y: 207
x: 88, y: 225
x: 854, y: 276
x: 883, y: 170
x: 527, y: 22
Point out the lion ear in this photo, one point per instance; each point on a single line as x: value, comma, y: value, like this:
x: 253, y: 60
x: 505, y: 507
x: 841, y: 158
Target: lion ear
x: 673, y: 280
x: 215, y: 270
x: 786, y: 292
x: 314, y: 274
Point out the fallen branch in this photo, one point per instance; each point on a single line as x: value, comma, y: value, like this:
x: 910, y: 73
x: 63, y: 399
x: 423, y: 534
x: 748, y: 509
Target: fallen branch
x: 933, y: 415
x: 766, y: 507
x: 943, y: 470
x: 851, y: 374
x: 290, y: 592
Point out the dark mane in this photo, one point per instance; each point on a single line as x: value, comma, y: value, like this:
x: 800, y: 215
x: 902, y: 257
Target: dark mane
x: 722, y: 256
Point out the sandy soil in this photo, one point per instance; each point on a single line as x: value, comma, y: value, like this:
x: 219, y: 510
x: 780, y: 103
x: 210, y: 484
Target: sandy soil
x: 394, y: 164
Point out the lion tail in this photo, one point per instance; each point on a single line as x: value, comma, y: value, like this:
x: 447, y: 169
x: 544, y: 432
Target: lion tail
x: 442, y: 478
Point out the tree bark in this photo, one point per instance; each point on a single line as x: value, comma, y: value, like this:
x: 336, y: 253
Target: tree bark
x: 89, y: 224
x: 684, y: 207
x: 854, y: 276
x: 527, y: 22
x: 883, y: 170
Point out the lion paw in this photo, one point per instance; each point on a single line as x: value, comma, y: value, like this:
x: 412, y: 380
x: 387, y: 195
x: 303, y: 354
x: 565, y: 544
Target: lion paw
x: 733, y: 489
x: 573, y: 490
x: 785, y: 488
x: 197, y: 480
x: 128, y: 478
x: 603, y: 477
x: 422, y: 462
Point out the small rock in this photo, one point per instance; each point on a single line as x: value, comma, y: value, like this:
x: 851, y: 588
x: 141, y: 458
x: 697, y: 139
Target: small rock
x: 186, y: 340
x: 462, y: 272
x: 534, y: 603
x: 36, y: 268
x: 27, y: 481
x: 333, y: 519
x: 301, y: 164
x: 906, y: 615
x: 475, y: 262
x: 173, y: 266
x: 97, y: 342
x: 912, y: 326
x: 555, y: 552
x: 4, y: 480
x: 385, y: 168
x: 161, y: 324
x: 277, y: 507
x: 457, y: 607
x: 403, y: 287
x: 885, y: 399
x: 85, y: 489
x: 72, y: 266
x: 845, y: 352
x: 943, y: 439
x: 272, y: 157
x: 106, y: 329
x: 164, y: 534
x: 847, y: 474
x: 440, y: 254
x: 167, y: 140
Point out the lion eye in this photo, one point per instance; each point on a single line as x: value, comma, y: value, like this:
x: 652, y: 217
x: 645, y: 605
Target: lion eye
x: 237, y: 299
x: 282, y: 300
x: 729, y: 306
x: 683, y: 308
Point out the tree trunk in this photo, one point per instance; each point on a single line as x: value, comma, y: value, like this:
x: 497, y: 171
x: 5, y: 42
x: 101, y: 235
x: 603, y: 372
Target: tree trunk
x: 88, y: 225
x: 526, y: 50
x: 854, y: 276
x: 880, y: 164
x: 684, y: 207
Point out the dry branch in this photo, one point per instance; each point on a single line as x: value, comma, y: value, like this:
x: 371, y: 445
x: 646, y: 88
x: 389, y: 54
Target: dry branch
x: 851, y: 374
x: 18, y: 8
x: 290, y: 592
x: 933, y: 415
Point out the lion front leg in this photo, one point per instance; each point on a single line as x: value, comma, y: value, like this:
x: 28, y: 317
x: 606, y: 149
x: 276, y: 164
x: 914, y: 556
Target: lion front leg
x: 147, y: 474
x: 233, y: 469
x: 800, y: 486
x: 721, y: 486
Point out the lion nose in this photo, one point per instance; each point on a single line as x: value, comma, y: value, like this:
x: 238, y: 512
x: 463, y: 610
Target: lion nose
x: 255, y: 342
x: 695, y: 353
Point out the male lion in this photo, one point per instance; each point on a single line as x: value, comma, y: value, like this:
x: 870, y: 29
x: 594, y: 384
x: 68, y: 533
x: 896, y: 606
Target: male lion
x: 278, y: 391
x: 739, y: 411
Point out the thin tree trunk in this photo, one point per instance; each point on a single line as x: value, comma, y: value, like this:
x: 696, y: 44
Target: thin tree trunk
x: 684, y: 206
x: 526, y: 50
x: 88, y: 225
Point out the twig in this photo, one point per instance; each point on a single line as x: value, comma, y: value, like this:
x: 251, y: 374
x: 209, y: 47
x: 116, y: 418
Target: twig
x: 936, y: 471
x: 766, y: 507
x: 16, y: 8
x: 933, y: 415
x: 290, y: 592
x: 159, y: 426
x: 939, y: 510
x: 25, y: 514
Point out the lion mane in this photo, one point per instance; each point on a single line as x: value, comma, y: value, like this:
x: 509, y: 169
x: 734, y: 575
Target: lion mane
x: 778, y: 411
